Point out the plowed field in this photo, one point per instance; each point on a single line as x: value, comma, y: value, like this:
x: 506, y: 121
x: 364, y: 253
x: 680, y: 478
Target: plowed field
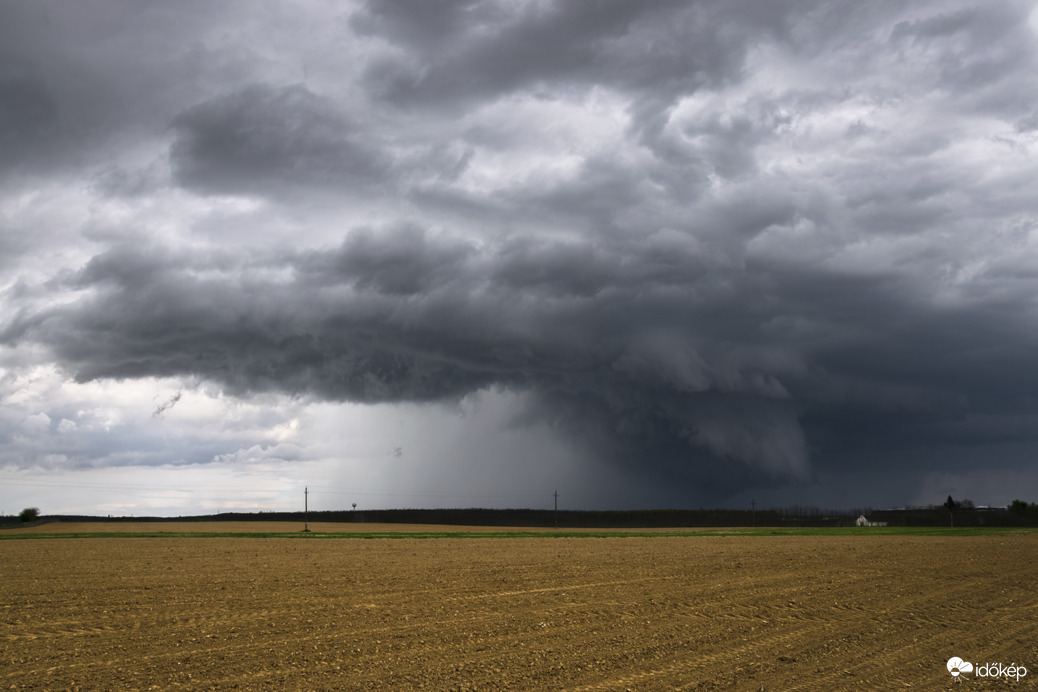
x: 639, y: 613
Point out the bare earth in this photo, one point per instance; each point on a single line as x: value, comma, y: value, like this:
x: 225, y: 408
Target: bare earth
x: 702, y: 612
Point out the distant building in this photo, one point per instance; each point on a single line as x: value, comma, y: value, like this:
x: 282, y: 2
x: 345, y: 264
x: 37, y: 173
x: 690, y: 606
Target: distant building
x: 862, y: 521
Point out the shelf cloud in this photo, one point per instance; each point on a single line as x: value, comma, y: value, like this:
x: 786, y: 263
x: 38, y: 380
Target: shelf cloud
x: 715, y: 249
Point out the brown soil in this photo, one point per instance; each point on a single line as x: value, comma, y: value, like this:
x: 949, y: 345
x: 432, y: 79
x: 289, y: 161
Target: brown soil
x: 745, y: 613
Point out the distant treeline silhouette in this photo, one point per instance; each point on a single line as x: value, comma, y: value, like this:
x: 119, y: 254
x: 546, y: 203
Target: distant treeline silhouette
x: 965, y: 514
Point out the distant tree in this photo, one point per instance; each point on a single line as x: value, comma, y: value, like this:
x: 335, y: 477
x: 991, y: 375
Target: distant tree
x: 950, y: 505
x: 1022, y: 507
x: 29, y: 514
x: 966, y: 504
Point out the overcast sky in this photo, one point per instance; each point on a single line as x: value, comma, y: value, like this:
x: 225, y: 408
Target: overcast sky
x: 416, y: 254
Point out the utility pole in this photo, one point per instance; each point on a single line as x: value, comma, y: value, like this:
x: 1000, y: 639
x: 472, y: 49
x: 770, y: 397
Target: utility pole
x: 306, y: 509
x: 556, y: 509
x: 753, y: 509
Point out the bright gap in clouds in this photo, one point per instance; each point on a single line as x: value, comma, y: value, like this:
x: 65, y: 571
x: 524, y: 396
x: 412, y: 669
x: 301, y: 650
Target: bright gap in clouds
x: 186, y: 450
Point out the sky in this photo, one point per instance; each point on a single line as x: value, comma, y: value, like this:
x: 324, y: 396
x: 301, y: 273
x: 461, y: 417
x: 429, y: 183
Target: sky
x: 466, y: 254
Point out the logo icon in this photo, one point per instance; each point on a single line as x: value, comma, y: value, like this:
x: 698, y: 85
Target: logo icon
x: 956, y: 666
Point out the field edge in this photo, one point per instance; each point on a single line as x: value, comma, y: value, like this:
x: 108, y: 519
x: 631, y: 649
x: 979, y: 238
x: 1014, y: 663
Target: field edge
x: 53, y: 530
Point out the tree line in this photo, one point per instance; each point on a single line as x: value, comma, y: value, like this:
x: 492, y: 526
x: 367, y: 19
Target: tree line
x: 956, y: 512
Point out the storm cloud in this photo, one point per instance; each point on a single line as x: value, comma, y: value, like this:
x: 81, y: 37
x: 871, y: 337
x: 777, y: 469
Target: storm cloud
x: 723, y: 247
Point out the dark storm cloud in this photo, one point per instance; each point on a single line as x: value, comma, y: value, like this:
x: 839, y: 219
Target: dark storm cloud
x: 152, y: 311
x: 656, y: 52
x: 483, y: 49
x: 619, y: 368
x: 400, y: 260
x: 26, y: 107
x: 263, y: 139
x: 53, y: 105
x: 28, y: 117
x: 780, y: 245
x: 557, y: 268
x: 740, y: 382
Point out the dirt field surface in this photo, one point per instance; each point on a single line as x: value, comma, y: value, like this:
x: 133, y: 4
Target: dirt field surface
x: 637, y: 613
